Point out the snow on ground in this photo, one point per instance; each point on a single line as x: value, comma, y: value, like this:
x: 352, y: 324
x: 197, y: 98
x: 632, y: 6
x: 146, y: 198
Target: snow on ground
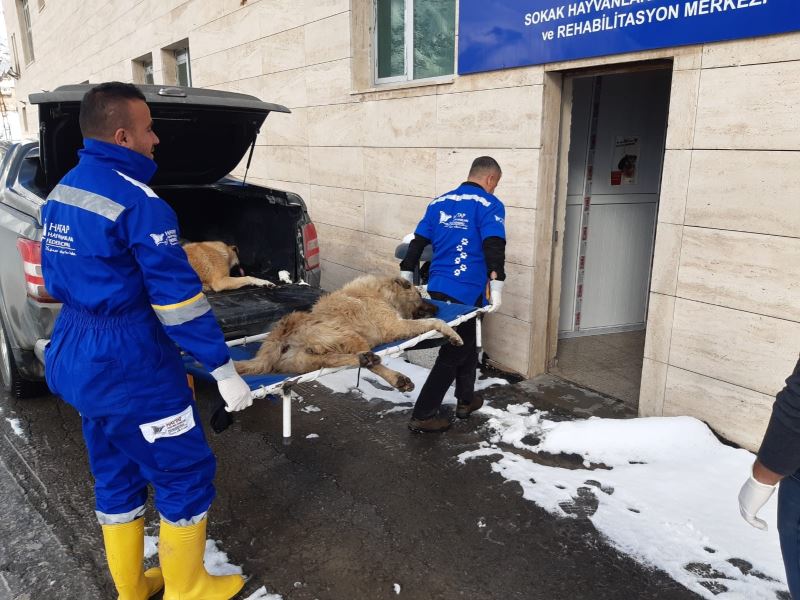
x: 150, y: 546
x: 372, y: 387
x: 669, y: 498
x: 262, y: 594
x: 17, y: 427
x: 662, y: 490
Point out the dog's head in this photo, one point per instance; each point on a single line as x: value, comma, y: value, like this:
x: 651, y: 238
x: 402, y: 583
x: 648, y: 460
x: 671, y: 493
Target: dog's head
x: 233, y: 259
x: 408, y: 301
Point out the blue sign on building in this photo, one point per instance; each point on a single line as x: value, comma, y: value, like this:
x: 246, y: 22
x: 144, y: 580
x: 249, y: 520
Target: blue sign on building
x: 501, y: 34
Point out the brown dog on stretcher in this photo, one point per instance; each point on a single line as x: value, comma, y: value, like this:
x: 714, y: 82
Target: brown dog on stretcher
x: 343, y: 326
x: 213, y: 262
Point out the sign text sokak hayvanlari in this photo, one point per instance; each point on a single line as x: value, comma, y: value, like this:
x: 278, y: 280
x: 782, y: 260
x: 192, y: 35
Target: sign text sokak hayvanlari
x: 618, y: 20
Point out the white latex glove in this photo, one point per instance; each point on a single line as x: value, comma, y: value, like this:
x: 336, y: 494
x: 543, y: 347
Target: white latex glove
x: 233, y: 389
x: 408, y: 276
x: 752, y: 497
x: 495, y: 294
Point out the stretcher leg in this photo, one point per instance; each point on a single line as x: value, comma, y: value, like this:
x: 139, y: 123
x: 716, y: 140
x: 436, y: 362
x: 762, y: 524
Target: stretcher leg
x: 287, y: 415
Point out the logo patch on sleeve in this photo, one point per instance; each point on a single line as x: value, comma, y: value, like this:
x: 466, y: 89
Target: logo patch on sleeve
x: 168, y: 426
x: 168, y: 238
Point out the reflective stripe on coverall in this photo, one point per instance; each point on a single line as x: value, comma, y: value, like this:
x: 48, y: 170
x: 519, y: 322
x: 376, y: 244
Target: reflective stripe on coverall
x: 111, y: 254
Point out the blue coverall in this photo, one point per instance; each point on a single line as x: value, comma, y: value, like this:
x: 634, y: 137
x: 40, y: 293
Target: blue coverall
x: 111, y: 254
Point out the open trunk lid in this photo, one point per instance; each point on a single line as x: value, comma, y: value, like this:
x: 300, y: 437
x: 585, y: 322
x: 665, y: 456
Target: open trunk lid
x: 204, y: 133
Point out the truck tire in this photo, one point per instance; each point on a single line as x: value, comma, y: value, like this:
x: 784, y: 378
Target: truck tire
x: 10, y: 379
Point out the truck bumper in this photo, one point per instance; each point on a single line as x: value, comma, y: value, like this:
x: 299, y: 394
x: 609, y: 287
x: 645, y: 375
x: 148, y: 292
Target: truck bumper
x: 29, y: 363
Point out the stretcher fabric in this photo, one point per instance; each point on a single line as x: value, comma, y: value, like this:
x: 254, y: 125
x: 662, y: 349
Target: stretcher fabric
x: 448, y: 312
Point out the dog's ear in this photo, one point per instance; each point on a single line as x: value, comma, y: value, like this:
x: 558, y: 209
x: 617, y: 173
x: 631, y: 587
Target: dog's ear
x: 235, y: 250
x: 403, y: 283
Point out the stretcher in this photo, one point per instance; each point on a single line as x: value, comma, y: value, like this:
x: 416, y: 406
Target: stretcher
x: 279, y: 386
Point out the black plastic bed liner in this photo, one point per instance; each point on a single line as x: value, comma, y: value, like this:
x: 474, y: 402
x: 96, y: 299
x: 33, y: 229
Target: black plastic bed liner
x: 253, y: 310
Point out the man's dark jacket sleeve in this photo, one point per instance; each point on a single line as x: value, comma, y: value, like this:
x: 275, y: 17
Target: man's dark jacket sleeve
x: 414, y: 252
x: 494, y: 252
x: 780, y: 449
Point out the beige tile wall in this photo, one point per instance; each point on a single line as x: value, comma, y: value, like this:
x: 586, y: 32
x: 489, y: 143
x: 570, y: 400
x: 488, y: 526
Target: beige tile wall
x: 724, y: 320
x: 724, y: 313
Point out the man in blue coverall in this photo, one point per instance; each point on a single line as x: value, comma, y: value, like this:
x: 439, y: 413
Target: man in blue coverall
x: 779, y: 462
x: 466, y: 228
x: 110, y: 253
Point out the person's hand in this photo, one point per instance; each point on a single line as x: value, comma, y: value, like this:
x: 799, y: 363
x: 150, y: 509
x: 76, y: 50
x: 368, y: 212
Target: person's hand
x: 236, y: 393
x: 233, y: 389
x: 752, y: 497
x: 495, y: 294
x: 408, y: 276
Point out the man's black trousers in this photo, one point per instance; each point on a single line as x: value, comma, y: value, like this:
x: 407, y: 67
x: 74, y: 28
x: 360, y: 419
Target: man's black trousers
x: 454, y: 363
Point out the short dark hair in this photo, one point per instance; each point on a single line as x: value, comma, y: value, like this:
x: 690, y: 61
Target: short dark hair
x: 482, y: 164
x: 104, y: 108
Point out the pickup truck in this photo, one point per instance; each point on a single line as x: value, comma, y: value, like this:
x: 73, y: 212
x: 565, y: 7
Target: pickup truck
x: 204, y: 134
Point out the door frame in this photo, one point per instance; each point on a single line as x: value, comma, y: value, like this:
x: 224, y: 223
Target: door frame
x: 551, y: 204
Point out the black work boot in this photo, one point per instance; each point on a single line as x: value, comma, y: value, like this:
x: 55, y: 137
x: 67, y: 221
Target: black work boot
x: 463, y: 411
x: 440, y: 421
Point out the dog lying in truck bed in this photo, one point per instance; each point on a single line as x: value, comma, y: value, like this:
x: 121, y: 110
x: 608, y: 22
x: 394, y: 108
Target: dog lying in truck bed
x: 343, y: 326
x: 213, y: 262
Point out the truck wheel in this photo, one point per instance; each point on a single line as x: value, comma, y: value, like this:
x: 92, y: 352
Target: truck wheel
x: 10, y: 378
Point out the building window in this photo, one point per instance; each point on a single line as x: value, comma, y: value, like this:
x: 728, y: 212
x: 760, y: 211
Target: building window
x: 184, y: 71
x: 14, y: 55
x: 143, y: 69
x: 24, y: 13
x: 415, y: 39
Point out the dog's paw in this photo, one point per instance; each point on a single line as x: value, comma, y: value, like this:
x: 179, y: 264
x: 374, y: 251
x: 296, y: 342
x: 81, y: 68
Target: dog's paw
x: 262, y: 282
x: 368, y: 359
x: 404, y: 384
x: 456, y: 340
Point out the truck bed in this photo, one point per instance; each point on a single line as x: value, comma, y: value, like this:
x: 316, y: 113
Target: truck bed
x: 253, y: 310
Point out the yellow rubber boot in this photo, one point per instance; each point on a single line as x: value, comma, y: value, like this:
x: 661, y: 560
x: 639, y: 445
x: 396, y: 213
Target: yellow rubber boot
x: 181, y: 550
x: 125, y: 553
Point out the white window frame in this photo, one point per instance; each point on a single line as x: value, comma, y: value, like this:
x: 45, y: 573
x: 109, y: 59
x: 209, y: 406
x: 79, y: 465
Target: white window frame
x: 26, y: 26
x: 182, y: 57
x: 408, y: 74
x: 148, y: 70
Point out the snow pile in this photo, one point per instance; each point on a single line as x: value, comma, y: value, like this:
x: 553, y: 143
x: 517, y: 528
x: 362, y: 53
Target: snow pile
x: 16, y: 426
x: 262, y: 594
x: 216, y: 561
x: 150, y: 546
x: 669, y: 498
x: 371, y: 387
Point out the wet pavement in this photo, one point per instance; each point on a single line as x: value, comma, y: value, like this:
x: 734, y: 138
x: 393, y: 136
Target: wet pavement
x: 347, y: 515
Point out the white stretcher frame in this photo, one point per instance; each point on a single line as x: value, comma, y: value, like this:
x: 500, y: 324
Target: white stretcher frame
x: 284, y: 388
